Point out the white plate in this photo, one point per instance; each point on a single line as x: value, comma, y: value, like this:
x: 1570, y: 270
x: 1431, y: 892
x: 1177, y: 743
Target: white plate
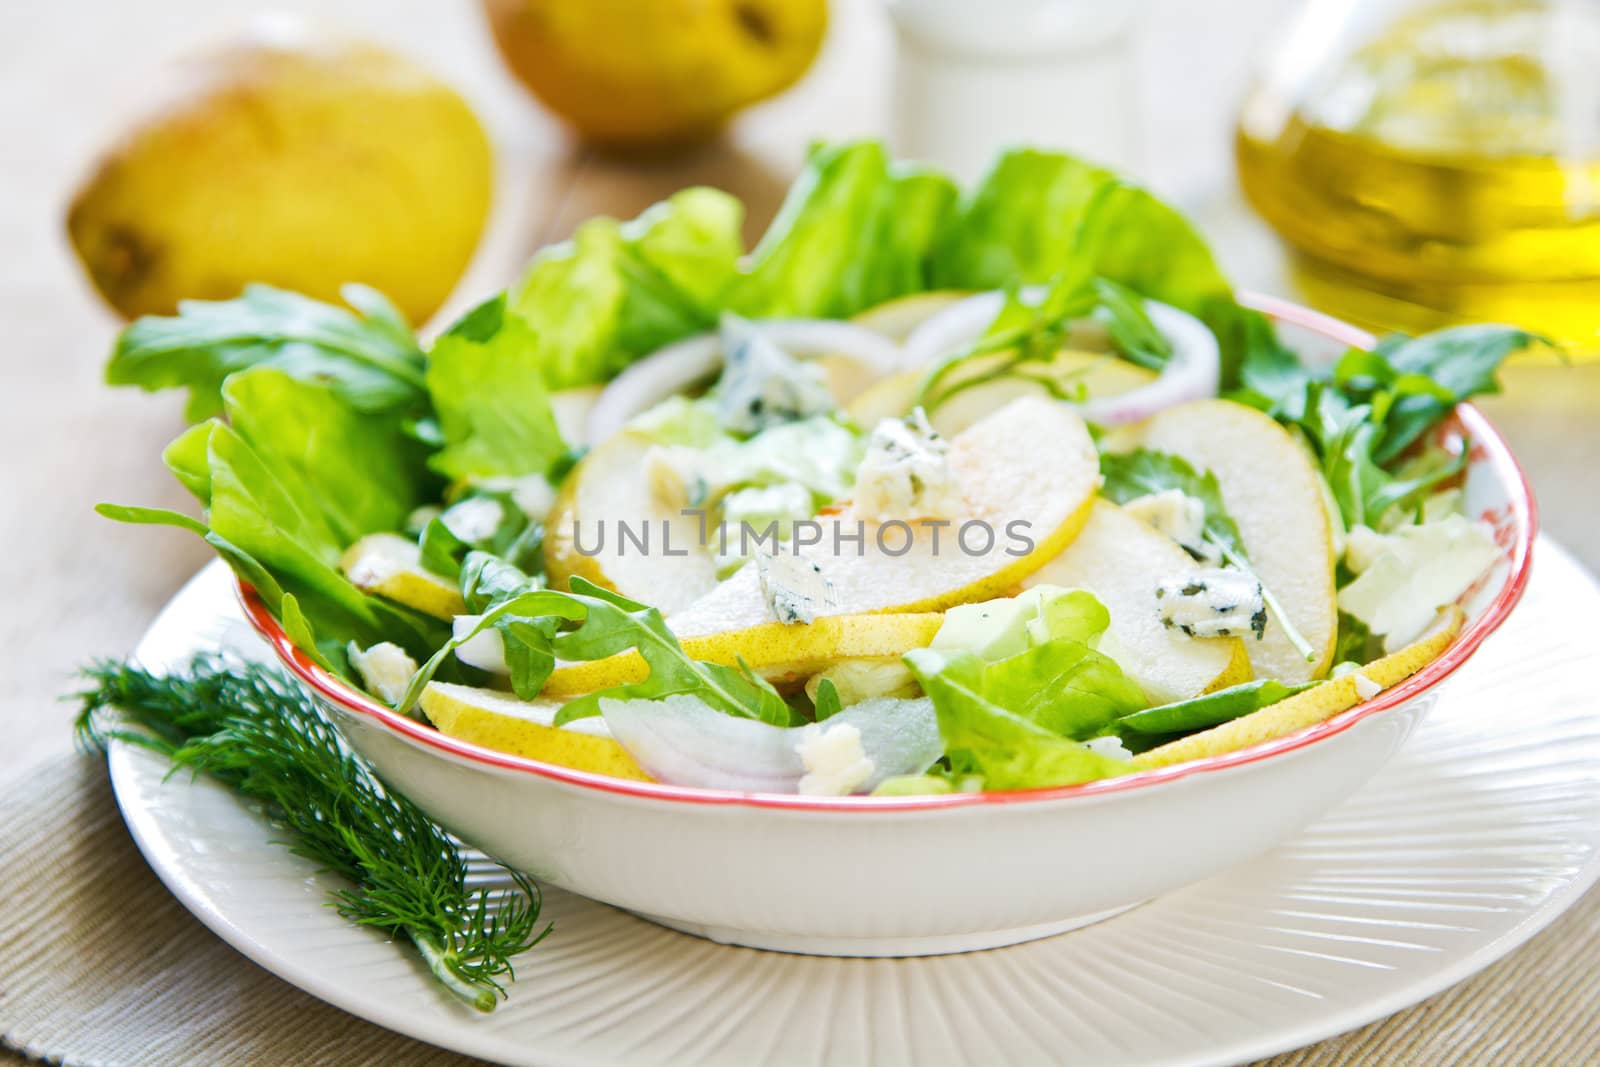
x: 1483, y: 830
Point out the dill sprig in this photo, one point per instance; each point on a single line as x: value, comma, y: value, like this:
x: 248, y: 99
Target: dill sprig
x: 250, y: 728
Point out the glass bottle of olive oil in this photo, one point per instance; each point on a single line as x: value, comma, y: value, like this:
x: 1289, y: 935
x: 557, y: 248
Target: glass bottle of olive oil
x: 1437, y: 161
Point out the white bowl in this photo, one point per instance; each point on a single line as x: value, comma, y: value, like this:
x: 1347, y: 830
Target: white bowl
x: 865, y: 876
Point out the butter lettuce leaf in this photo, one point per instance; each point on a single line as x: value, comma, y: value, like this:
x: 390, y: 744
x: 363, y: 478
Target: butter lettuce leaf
x: 1020, y: 720
x: 856, y: 229
x: 617, y: 291
x: 486, y: 381
x: 1037, y: 216
x: 982, y: 737
x: 360, y: 471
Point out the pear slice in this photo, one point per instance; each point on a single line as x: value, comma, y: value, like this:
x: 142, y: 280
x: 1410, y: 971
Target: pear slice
x: 524, y: 728
x: 1312, y: 706
x: 1275, y: 496
x: 897, y: 318
x: 607, y: 493
x: 389, y: 565
x: 1120, y: 560
x: 1028, y: 473
x: 783, y: 655
x: 1096, y: 374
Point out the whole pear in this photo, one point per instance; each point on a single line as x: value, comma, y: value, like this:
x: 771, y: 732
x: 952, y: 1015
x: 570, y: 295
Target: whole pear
x: 293, y: 157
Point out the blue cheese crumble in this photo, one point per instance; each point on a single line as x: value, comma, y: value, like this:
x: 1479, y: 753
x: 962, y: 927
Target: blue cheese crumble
x: 762, y: 385
x: 1180, y: 517
x: 836, y: 764
x: 386, y: 669
x: 906, y: 472
x: 1220, y: 602
x: 795, y: 589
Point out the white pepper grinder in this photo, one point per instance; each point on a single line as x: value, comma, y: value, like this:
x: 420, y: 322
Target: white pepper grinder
x: 975, y: 76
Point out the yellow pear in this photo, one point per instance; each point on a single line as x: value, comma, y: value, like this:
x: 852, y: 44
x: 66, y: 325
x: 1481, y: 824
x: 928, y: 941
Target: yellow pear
x: 1121, y: 560
x: 294, y: 159
x: 389, y: 565
x: 637, y: 75
x: 1027, y: 475
x: 1321, y: 702
x: 1275, y: 496
x: 779, y: 653
x: 524, y: 728
x: 897, y: 318
x: 609, y: 526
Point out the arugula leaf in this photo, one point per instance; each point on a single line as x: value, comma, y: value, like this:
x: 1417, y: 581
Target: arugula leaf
x: 855, y: 230
x: 1129, y: 475
x: 610, y: 624
x: 1208, y: 710
x: 1425, y: 377
x: 371, y: 360
x: 1133, y: 335
x: 827, y: 704
x: 1365, y: 415
x: 493, y: 410
x: 1355, y: 642
x: 614, y: 624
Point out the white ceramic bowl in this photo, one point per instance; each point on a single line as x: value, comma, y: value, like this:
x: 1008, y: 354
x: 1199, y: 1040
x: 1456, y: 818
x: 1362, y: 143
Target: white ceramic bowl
x: 864, y: 876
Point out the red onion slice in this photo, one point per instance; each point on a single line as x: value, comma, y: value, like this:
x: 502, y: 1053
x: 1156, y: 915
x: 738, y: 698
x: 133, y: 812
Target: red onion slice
x: 682, y: 741
x: 681, y: 365
x: 1193, y: 373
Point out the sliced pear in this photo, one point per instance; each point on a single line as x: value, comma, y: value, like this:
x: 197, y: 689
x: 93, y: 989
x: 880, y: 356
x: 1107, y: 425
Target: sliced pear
x: 607, y: 495
x: 1312, y: 706
x: 781, y: 654
x: 1120, y: 560
x: 389, y: 565
x: 896, y: 318
x: 523, y: 728
x: 1095, y: 373
x: 1275, y: 496
x: 1027, y: 473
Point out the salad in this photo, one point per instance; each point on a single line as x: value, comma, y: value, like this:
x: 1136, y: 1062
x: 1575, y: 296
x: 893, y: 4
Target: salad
x: 930, y: 491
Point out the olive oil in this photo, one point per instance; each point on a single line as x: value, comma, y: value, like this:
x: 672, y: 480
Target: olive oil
x: 1448, y: 169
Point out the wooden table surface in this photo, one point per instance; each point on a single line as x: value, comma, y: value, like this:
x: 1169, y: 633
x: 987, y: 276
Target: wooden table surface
x: 77, y: 586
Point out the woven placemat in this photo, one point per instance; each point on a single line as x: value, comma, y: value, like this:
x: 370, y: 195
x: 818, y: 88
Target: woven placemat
x: 101, y: 966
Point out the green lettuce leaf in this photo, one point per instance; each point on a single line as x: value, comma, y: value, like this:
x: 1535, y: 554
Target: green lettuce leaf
x: 493, y: 410
x: 371, y: 359
x: 856, y: 229
x: 361, y: 472
x: 982, y: 737
x: 1037, y: 216
x: 1020, y: 720
x: 1020, y: 224
x: 617, y: 291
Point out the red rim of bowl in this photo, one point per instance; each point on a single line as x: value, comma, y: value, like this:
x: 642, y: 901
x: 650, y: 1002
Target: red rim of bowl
x: 1479, y: 431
